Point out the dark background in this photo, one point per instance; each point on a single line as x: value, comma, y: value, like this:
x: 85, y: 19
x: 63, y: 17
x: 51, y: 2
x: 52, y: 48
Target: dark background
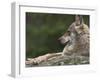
x: 43, y: 31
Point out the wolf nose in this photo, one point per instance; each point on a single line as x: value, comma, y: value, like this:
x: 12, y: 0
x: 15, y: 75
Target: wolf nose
x: 59, y: 38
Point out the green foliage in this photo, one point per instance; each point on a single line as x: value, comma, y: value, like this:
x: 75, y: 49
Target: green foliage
x: 43, y: 31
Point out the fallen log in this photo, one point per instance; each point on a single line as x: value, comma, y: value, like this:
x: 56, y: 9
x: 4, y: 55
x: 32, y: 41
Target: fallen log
x: 57, y: 60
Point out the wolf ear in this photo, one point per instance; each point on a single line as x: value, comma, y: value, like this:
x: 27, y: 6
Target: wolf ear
x: 79, y: 19
x: 81, y: 22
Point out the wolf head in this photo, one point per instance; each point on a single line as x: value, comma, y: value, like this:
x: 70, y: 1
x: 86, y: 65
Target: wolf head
x: 73, y: 30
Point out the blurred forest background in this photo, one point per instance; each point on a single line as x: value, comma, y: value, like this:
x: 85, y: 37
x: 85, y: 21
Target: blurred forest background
x: 43, y: 31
